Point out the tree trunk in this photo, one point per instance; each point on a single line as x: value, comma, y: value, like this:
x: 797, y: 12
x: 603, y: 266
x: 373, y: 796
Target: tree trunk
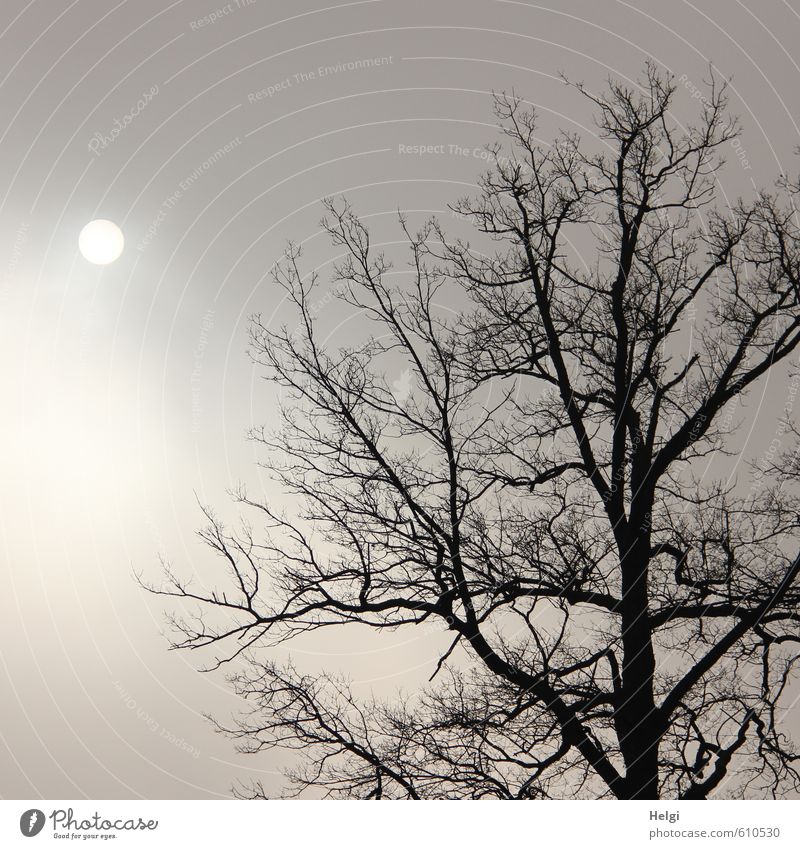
x: 637, y: 718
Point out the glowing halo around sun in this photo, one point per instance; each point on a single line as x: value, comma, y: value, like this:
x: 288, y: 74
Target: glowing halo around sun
x: 101, y: 241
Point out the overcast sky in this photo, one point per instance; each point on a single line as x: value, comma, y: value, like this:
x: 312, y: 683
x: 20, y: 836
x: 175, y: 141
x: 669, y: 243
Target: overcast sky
x: 210, y: 133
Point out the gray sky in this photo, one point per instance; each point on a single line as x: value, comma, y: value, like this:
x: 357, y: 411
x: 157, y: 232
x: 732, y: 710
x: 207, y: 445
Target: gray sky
x: 126, y: 388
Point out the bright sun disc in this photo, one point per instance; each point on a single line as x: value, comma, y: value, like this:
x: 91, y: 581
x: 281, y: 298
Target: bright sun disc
x: 101, y: 241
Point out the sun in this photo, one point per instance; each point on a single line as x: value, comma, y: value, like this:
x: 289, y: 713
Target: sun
x: 101, y: 241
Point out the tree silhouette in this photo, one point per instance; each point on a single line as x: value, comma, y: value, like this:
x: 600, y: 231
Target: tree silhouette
x: 539, y: 482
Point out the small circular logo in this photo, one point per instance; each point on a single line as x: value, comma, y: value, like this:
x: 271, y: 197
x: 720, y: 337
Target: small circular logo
x: 31, y: 822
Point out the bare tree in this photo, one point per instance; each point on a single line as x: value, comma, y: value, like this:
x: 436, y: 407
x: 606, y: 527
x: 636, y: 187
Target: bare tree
x: 622, y: 611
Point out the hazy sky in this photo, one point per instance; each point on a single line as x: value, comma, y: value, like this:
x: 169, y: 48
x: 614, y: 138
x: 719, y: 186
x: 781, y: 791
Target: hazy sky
x: 209, y: 133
